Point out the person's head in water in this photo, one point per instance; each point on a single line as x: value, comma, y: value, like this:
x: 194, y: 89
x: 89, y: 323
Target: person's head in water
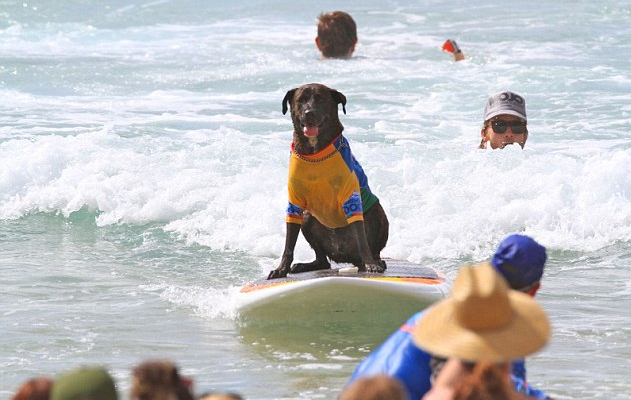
x: 505, y: 121
x: 337, y: 35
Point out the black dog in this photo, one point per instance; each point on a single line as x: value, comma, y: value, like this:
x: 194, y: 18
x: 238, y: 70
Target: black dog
x: 328, y: 191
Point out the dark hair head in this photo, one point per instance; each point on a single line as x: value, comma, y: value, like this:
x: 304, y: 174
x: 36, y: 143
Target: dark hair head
x: 337, y: 34
x: 158, y: 380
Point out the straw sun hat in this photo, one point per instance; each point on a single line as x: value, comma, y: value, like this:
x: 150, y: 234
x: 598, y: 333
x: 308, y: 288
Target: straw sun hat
x: 483, y: 320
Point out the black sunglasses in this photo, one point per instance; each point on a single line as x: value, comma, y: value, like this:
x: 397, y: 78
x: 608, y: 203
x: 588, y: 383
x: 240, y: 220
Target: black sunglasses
x: 499, y: 126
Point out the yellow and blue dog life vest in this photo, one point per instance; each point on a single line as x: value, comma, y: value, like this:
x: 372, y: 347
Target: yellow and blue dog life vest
x: 330, y: 185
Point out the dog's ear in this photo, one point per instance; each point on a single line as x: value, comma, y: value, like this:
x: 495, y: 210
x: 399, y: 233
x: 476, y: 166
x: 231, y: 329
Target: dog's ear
x: 339, y: 98
x: 288, y: 98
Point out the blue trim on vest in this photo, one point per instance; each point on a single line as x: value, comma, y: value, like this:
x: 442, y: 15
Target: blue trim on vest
x: 342, y: 146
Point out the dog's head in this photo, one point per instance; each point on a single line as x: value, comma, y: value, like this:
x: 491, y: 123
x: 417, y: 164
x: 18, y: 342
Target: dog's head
x: 314, y: 115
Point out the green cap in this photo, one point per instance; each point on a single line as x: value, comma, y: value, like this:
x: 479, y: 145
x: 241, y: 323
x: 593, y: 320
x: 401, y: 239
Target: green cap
x: 87, y: 383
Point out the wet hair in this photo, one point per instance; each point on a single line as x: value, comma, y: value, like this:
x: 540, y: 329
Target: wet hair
x: 337, y: 34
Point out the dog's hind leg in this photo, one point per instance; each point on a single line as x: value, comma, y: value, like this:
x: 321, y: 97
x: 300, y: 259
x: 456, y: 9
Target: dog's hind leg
x: 314, y: 232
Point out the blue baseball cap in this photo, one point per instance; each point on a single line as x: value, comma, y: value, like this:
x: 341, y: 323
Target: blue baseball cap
x: 520, y: 260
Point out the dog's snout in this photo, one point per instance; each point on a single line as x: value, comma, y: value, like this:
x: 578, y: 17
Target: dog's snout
x: 310, y: 117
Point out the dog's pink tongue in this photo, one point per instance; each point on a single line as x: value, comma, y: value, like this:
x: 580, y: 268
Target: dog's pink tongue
x: 310, y: 131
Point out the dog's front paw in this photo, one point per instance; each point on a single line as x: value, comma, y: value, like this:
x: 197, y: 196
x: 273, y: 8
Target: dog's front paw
x: 277, y: 273
x: 376, y: 267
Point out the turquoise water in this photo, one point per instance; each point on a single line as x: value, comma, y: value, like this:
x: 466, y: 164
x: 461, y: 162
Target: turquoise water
x: 143, y: 164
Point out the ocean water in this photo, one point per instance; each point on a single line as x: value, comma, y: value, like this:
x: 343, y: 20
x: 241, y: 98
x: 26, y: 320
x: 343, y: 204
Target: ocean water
x: 143, y: 163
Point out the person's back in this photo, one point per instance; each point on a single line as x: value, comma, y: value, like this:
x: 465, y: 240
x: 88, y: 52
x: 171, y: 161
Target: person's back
x: 398, y: 357
x: 337, y: 35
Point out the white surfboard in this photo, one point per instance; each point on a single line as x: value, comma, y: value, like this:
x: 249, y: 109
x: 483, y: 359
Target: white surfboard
x: 342, y: 295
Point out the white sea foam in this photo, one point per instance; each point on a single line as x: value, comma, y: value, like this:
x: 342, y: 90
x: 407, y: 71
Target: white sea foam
x: 210, y: 186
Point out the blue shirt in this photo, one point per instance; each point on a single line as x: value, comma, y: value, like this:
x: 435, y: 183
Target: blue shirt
x: 399, y: 357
